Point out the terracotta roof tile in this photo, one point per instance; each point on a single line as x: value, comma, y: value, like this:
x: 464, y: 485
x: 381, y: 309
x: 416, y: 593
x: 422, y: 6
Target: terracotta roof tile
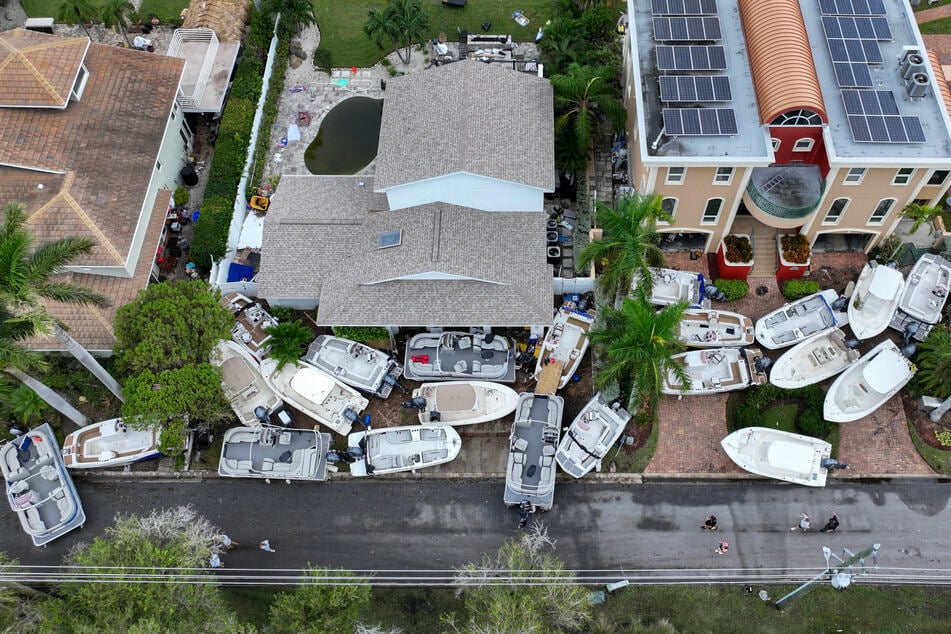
x: 38, y: 70
x: 225, y: 17
x: 941, y: 79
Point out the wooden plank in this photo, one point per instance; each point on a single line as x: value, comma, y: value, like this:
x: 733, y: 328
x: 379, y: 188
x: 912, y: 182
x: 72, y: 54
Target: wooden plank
x: 549, y: 378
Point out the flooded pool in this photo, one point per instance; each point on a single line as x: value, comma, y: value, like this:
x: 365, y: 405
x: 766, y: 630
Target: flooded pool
x: 348, y: 137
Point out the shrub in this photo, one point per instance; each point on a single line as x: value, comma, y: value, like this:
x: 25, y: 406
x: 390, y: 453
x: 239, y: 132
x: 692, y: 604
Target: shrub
x: 733, y: 289
x: 323, y: 60
x: 181, y: 196
x: 738, y: 249
x: 943, y: 438
x: 761, y: 397
x: 888, y: 249
x: 795, y: 248
x: 811, y: 422
x: 797, y: 289
x: 362, y: 334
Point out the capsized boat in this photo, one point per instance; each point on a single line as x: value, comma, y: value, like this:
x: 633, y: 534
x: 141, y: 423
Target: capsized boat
x: 265, y: 451
x: 464, y: 402
x: 671, y: 286
x: 927, y: 288
x: 250, y: 323
x: 243, y: 385
x: 592, y: 433
x: 39, y: 489
x: 715, y: 370
x: 365, y: 368
x: 868, y: 383
x: 530, y: 470
x: 110, y: 443
x: 702, y: 328
x: 779, y: 454
x: 565, y: 344
x: 815, y: 359
x: 315, y: 394
x: 443, y: 356
x: 394, y: 449
x: 874, y: 300
x: 795, y: 321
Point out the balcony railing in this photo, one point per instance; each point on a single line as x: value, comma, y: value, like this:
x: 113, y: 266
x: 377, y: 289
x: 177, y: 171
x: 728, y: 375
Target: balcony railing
x: 761, y: 197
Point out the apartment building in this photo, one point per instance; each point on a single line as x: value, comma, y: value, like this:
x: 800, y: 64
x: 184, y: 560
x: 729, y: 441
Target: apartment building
x: 822, y: 117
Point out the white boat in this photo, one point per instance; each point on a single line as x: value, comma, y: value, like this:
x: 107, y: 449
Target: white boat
x: 813, y: 360
x: 251, y: 320
x: 715, y: 370
x: 874, y: 300
x: 110, y: 443
x: 779, y: 454
x: 700, y: 328
x: 39, y: 489
x: 464, y: 402
x: 243, y: 385
x: 530, y: 470
x: 264, y: 451
x: 442, y: 356
x: 592, y: 433
x: 927, y: 288
x: 867, y: 384
x: 565, y: 344
x: 315, y: 394
x: 394, y: 449
x: 671, y: 286
x: 798, y: 320
x: 365, y: 368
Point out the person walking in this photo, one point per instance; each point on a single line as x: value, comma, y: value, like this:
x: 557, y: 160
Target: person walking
x: 266, y: 546
x: 831, y: 525
x: 803, y: 523
x: 215, y: 561
x: 226, y: 541
x: 710, y: 524
x: 722, y: 548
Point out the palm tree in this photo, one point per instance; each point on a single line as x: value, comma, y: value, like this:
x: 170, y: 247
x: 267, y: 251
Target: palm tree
x: 920, y: 213
x: 115, y: 14
x: 582, y: 97
x: 73, y: 11
x: 402, y: 22
x: 380, y: 26
x: 26, y: 281
x: 934, y: 362
x: 628, y: 246
x: 288, y: 341
x: 637, y: 344
x: 295, y: 14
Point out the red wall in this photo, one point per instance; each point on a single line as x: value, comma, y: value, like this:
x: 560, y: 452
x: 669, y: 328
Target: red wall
x: 788, y: 137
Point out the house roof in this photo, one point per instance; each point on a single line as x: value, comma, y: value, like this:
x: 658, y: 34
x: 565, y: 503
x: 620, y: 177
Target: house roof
x: 37, y: 70
x: 225, y: 17
x: 448, y: 122
x: 942, y: 79
x: 454, y: 266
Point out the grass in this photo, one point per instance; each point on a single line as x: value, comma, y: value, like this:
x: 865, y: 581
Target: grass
x: 637, y: 460
x: 939, y: 26
x: 341, y: 24
x: 937, y: 459
x: 166, y: 10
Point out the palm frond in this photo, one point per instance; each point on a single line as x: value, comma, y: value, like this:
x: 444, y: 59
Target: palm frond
x: 74, y: 294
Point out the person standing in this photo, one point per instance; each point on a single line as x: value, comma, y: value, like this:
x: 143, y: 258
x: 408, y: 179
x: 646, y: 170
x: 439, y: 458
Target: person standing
x: 265, y: 545
x: 710, y: 524
x: 215, y: 561
x: 226, y: 541
x: 803, y: 523
x: 722, y: 548
x: 831, y: 525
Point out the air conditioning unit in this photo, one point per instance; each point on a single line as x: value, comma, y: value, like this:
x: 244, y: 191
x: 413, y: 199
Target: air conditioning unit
x: 917, y: 85
x: 912, y: 64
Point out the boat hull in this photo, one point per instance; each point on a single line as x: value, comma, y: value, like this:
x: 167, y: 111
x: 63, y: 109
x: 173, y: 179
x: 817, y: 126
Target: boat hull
x: 867, y: 384
x: 397, y: 449
x: 465, y: 402
x: 591, y: 435
x: 927, y: 289
x: 791, y: 323
x: 671, y: 286
x: 781, y: 455
x: 715, y: 329
x: 359, y: 366
x: 242, y: 382
x: 713, y: 371
x: 446, y: 356
x: 265, y: 452
x: 109, y: 443
x: 874, y: 300
x: 565, y: 344
x: 251, y: 322
x: 533, y: 442
x: 814, y: 360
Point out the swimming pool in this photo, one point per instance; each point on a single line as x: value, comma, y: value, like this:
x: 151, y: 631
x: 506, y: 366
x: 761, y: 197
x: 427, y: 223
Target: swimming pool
x: 348, y: 137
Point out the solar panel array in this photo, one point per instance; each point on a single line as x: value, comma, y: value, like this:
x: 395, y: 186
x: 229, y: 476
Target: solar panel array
x: 699, y: 121
x: 859, y: 27
x: 852, y: 75
x: 693, y: 88
x: 687, y: 29
x: 684, y: 7
x: 852, y: 7
x: 874, y: 118
x: 686, y: 57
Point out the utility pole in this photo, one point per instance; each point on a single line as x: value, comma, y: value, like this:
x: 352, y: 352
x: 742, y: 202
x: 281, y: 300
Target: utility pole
x: 840, y: 580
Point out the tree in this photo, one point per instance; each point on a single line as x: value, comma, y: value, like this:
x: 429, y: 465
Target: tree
x: 73, y: 11
x: 331, y: 603
x: 934, y: 362
x: 295, y: 14
x: 494, y: 605
x: 170, y: 325
x: 582, y: 97
x: 288, y: 340
x: 637, y: 343
x: 402, y: 22
x: 628, y: 245
x: 115, y: 14
x: 920, y: 214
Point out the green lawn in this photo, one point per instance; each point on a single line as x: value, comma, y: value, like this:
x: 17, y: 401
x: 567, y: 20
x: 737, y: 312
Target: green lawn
x: 341, y: 24
x: 166, y: 10
x: 942, y: 25
x: 937, y: 459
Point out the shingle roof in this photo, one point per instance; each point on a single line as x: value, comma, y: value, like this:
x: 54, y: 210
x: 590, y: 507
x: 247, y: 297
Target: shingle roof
x: 38, y: 70
x: 445, y: 120
x: 225, y: 17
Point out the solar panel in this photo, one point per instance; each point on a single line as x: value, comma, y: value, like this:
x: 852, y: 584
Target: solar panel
x: 859, y: 102
x: 852, y: 7
x: 865, y: 28
x: 853, y: 50
x: 874, y: 118
x: 699, y: 121
x: 684, y: 7
x: 683, y: 57
x: 687, y: 29
x: 852, y: 75
x: 690, y: 88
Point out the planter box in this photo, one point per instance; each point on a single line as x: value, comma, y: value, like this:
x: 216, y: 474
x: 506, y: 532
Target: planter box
x: 789, y: 270
x: 733, y: 270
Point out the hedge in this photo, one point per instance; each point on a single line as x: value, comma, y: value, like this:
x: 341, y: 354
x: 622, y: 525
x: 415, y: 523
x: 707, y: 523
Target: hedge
x: 760, y: 398
x: 797, y: 289
x: 733, y: 289
x: 362, y: 334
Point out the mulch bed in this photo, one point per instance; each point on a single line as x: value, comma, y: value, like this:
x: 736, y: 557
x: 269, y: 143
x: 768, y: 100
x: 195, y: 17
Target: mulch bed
x: 925, y: 427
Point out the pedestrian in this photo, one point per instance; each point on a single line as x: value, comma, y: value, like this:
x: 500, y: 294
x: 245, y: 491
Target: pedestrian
x: 722, y: 548
x: 831, y: 525
x: 226, y: 541
x: 215, y: 561
x: 803, y: 523
x: 266, y: 545
x: 710, y: 524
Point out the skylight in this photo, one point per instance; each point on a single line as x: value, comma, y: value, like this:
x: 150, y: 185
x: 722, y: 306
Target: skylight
x: 388, y: 239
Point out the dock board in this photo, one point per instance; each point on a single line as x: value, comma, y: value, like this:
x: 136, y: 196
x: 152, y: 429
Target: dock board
x: 549, y: 378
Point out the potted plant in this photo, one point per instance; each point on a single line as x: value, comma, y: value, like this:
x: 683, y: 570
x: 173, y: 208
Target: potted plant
x: 794, y: 256
x: 735, y: 257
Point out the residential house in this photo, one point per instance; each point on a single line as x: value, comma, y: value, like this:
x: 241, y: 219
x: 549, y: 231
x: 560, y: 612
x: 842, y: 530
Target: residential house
x: 823, y: 117
x: 92, y: 143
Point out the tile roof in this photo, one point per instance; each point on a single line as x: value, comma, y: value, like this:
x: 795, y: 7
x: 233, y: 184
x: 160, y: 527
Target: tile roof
x: 942, y: 80
x: 448, y: 121
x: 225, y: 17
x: 38, y: 70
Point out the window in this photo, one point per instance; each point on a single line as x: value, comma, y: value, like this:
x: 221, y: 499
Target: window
x: 854, y: 176
x: 723, y: 176
x: 884, y: 206
x: 903, y: 176
x: 938, y: 177
x: 669, y: 205
x: 803, y: 145
x: 835, y: 211
x: 711, y: 213
x: 776, y: 143
x: 389, y: 239
x: 676, y: 175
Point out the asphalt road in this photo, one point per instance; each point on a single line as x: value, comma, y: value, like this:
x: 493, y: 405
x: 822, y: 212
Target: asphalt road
x: 610, y: 531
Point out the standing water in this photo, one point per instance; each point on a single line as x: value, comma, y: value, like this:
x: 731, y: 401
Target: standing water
x: 348, y: 137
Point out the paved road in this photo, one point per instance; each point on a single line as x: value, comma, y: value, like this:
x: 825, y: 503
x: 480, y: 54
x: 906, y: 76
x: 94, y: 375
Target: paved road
x: 616, y: 529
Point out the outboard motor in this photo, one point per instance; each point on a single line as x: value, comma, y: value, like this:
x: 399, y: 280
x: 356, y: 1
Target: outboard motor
x: 435, y: 416
x: 392, y: 382
x: 852, y: 344
x: 909, y: 347
x: 720, y: 296
x: 417, y: 403
x: 261, y: 413
x: 710, y: 291
x: 333, y: 457
x: 839, y: 303
x: 830, y: 464
x: 350, y: 415
x: 489, y: 337
x: 762, y: 364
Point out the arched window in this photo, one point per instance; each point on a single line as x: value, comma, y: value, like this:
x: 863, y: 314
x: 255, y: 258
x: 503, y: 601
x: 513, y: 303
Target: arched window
x: 884, y: 206
x: 835, y: 211
x: 796, y: 118
x: 711, y: 213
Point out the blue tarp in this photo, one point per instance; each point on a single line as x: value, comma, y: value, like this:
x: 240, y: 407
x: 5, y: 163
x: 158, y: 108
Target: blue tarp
x: 240, y: 272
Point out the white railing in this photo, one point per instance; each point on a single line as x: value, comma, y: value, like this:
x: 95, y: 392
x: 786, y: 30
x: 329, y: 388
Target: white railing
x: 180, y: 39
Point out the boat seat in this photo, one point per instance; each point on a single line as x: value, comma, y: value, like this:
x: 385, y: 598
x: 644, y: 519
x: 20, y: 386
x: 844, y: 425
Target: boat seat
x: 267, y: 464
x: 285, y: 438
x: 476, y: 367
x: 460, y: 366
x: 49, y: 473
x: 715, y: 381
x: 548, y: 450
x: 518, y: 458
x: 520, y: 444
x: 464, y: 343
x: 64, y: 506
x: 18, y: 488
x: 33, y: 520
x: 546, y: 474
x: 547, y: 461
x: 44, y: 460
